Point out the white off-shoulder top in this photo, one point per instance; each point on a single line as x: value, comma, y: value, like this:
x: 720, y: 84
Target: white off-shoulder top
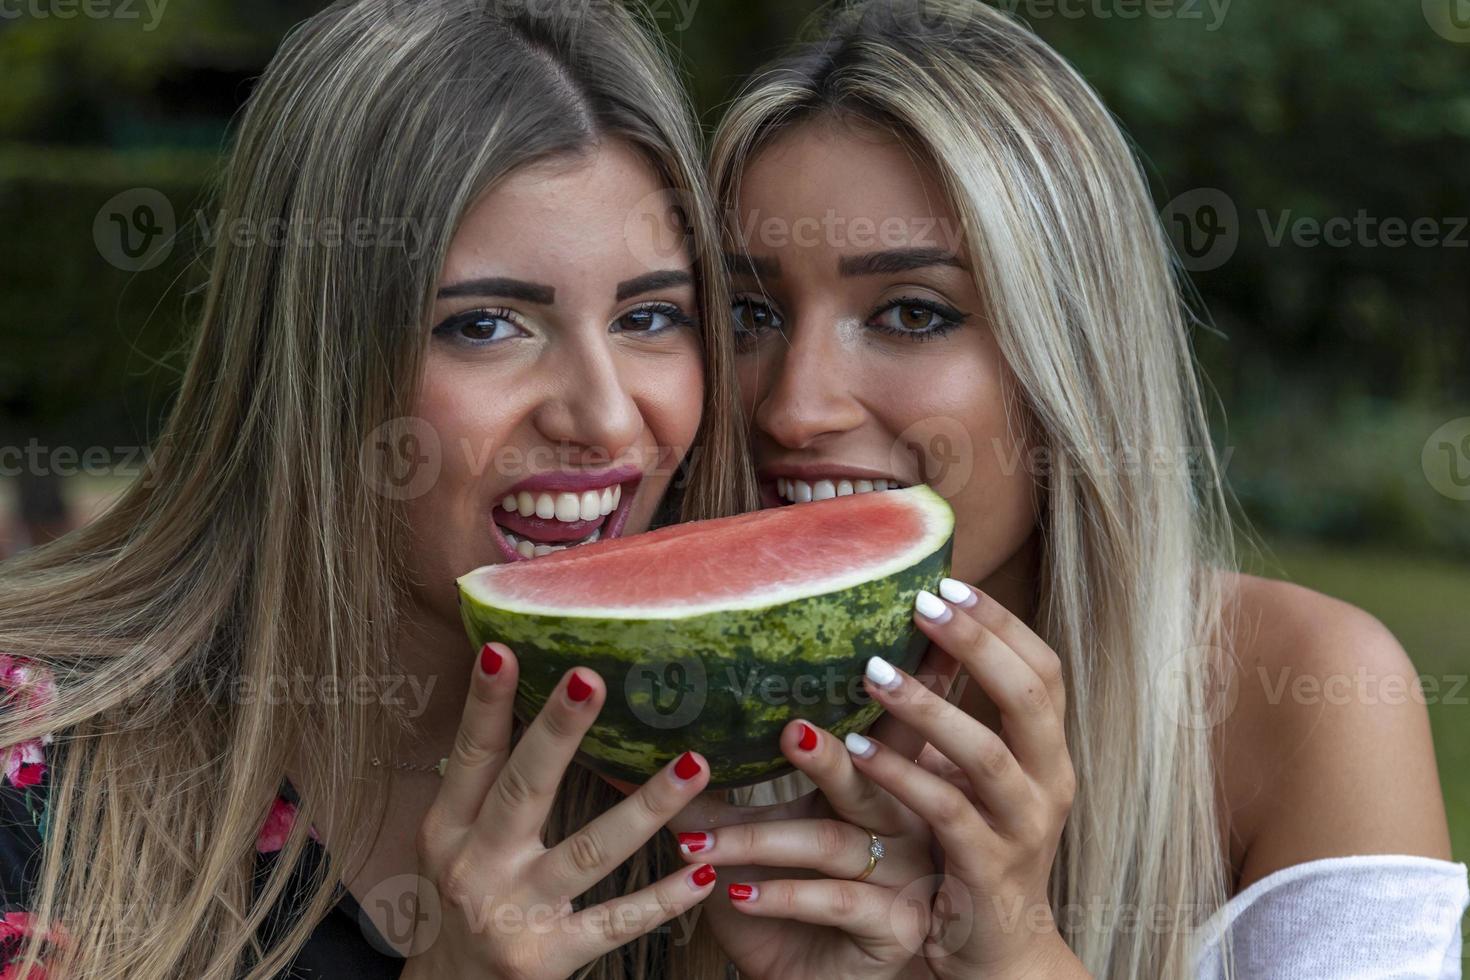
x: 1362, y: 917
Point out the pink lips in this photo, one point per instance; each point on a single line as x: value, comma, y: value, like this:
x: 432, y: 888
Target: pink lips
x: 562, y: 480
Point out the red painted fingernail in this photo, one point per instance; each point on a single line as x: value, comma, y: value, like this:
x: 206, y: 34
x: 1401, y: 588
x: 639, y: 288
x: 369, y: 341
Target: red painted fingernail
x: 691, y: 843
x: 490, y: 659
x: 741, y: 893
x: 687, y: 767
x: 808, y: 737
x: 578, y: 689
x: 703, y: 875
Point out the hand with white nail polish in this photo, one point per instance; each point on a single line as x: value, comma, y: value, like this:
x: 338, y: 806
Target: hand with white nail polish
x: 482, y: 860
x: 792, y: 910
x: 996, y: 800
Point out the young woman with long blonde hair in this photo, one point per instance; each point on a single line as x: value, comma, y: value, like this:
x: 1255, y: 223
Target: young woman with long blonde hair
x: 468, y: 258
x: 948, y: 269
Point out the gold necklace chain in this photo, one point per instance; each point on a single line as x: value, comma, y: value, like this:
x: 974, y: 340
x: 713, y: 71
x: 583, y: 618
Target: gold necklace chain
x: 434, y: 767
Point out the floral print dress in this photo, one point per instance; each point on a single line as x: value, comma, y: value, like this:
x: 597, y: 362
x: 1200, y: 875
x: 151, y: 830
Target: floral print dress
x: 343, y: 945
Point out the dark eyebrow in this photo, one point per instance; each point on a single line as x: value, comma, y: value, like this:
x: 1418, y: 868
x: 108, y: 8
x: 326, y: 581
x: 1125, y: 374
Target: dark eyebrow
x: 740, y: 264
x: 531, y: 292
x: 662, y: 279
x: 896, y: 260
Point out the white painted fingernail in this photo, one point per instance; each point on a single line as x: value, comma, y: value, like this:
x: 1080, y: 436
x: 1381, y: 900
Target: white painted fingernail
x: 881, y: 672
x: 932, y: 607
x: 958, y: 592
x: 858, y: 745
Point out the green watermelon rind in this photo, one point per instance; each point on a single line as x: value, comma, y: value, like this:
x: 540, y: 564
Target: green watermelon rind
x: 742, y: 670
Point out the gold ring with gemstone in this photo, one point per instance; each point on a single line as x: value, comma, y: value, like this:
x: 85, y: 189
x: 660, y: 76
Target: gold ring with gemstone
x: 875, y: 852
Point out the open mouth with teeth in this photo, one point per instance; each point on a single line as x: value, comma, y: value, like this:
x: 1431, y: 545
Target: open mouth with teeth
x: 531, y: 523
x: 800, y: 491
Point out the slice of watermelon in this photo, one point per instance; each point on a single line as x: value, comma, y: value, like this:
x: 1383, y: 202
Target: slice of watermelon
x: 713, y: 635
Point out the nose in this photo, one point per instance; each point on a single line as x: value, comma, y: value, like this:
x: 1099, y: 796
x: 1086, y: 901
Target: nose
x: 807, y: 395
x: 590, y: 404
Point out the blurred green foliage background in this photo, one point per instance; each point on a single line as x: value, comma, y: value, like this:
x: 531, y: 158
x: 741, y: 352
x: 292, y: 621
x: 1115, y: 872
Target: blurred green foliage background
x: 1335, y: 358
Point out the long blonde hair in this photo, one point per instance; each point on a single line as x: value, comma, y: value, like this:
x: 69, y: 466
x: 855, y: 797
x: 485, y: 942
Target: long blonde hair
x: 1069, y: 252
x: 257, y: 545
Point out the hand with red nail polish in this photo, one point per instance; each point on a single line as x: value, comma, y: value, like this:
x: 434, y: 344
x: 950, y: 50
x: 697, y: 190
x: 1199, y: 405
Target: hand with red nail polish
x: 481, y: 856
x: 791, y: 908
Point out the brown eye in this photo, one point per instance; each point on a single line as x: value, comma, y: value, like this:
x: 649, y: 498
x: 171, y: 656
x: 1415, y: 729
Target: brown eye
x: 480, y: 327
x: 752, y: 316
x: 916, y: 318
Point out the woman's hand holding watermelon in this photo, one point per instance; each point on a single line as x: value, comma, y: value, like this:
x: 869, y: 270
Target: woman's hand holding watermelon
x: 997, y: 801
x: 504, y: 897
x: 819, y: 922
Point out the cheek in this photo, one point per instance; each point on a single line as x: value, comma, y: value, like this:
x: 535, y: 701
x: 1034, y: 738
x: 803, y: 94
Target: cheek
x: 672, y: 400
x: 954, y: 415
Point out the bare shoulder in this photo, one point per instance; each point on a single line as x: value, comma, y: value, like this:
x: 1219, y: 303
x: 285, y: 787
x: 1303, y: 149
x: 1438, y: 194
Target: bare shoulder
x: 1326, y: 748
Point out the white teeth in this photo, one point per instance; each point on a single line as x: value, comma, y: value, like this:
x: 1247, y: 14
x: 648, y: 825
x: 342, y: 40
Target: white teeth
x: 545, y: 506
x: 509, y: 503
x: 604, y: 502
x: 617, y: 495
x: 568, y: 507
x: 529, y: 549
x: 591, y: 505
x: 799, y: 491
